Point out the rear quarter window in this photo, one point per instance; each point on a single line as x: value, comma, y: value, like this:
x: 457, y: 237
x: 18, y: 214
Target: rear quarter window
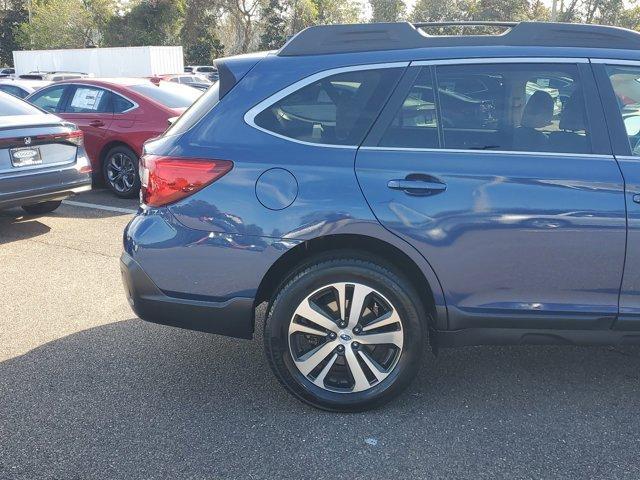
x: 335, y: 110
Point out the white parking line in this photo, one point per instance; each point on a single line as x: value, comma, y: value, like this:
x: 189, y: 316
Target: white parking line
x: 99, y: 207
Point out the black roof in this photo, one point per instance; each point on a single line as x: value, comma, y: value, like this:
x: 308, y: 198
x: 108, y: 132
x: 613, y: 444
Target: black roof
x: 324, y: 39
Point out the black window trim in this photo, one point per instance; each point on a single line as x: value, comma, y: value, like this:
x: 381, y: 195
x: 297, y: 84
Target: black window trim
x: 251, y: 114
x: 371, y: 143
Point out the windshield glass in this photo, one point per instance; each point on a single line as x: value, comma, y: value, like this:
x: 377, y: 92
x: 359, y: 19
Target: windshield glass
x: 168, y: 94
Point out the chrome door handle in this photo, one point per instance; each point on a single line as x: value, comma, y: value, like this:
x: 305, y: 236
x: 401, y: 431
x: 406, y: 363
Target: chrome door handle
x: 96, y: 123
x: 417, y: 187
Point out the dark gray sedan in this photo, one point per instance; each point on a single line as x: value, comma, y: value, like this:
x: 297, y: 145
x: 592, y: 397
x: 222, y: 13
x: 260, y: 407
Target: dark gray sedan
x: 42, y: 160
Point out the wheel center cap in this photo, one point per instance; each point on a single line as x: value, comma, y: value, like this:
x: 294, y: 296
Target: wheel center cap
x: 344, y: 336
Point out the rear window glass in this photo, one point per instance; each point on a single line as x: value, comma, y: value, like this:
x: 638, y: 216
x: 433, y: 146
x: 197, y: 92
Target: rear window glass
x: 10, y: 105
x: 198, y: 110
x: 335, y: 110
x: 168, y: 94
x: 13, y: 90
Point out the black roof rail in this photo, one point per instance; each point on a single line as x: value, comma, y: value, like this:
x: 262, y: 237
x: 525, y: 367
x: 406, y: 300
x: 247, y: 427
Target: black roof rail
x: 464, y: 24
x: 326, y: 39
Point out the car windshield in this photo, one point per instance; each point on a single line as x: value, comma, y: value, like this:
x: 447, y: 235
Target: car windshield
x: 168, y: 94
x: 10, y: 105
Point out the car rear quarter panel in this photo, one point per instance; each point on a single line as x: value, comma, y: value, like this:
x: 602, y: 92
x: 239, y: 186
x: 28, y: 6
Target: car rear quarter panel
x: 227, y: 229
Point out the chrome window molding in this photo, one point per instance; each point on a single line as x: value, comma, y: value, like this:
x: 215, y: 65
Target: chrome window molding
x: 628, y: 158
x: 251, y: 115
x: 488, y: 152
x: 494, y: 60
x: 612, y: 61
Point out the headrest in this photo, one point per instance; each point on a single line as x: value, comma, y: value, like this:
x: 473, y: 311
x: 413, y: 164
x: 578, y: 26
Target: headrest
x: 538, y: 112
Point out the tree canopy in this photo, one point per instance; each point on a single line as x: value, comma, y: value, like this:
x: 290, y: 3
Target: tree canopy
x: 208, y: 29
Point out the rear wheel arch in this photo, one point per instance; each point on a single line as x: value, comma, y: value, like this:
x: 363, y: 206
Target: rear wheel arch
x: 107, y: 147
x: 359, y: 246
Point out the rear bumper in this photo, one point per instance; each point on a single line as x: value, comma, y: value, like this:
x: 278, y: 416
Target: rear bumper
x: 42, y: 186
x: 39, y: 197
x: 232, y: 317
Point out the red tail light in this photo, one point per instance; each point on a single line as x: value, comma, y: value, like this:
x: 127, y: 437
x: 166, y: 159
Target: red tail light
x: 169, y: 179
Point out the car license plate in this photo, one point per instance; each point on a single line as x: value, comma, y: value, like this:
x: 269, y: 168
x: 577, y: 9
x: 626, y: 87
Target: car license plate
x: 25, y: 156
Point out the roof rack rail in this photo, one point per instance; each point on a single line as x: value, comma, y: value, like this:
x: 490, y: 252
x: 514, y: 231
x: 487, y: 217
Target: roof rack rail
x: 464, y: 24
x: 328, y: 39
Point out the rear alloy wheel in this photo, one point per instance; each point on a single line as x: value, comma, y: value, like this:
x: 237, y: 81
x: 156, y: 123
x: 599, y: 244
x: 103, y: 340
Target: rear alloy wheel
x: 120, y: 170
x: 345, y: 335
x: 42, y: 208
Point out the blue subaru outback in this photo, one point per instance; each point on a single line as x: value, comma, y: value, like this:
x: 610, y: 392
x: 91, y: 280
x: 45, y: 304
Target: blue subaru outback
x: 380, y: 187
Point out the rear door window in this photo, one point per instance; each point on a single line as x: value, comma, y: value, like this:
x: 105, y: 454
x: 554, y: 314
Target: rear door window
x: 87, y: 99
x: 337, y: 110
x: 505, y: 107
x: 522, y: 107
x: 415, y: 125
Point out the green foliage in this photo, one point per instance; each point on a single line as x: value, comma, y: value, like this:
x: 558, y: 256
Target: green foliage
x: 59, y: 24
x: 200, y: 41
x: 304, y: 14
x: 149, y: 22
x: 12, y: 16
x: 387, y: 10
x: 337, y: 11
x: 438, y: 10
x: 202, y: 26
x: 506, y: 10
x: 274, y: 33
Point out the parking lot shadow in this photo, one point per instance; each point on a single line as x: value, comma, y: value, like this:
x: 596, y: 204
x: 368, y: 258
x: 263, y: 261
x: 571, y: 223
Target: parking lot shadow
x: 135, y: 400
x: 15, y: 226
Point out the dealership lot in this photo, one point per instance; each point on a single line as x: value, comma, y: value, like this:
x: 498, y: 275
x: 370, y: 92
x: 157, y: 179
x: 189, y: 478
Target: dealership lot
x: 89, y: 391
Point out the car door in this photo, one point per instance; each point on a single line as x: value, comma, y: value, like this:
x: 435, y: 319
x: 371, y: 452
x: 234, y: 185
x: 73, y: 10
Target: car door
x: 619, y: 84
x: 507, y: 186
x: 91, y: 108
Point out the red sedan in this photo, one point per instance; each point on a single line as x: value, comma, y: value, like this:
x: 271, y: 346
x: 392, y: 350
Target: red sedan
x: 117, y: 116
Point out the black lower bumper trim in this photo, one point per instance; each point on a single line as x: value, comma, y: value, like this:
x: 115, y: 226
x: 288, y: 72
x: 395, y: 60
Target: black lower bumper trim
x: 233, y: 317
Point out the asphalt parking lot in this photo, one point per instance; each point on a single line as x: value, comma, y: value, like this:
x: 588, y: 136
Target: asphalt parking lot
x: 88, y: 391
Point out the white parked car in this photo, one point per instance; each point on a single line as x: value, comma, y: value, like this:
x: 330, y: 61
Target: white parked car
x: 21, y: 88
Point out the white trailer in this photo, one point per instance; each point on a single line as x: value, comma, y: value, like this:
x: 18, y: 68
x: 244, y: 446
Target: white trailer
x: 103, y: 62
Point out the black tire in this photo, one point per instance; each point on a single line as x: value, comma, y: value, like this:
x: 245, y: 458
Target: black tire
x: 326, y: 271
x: 42, y: 208
x: 127, y: 185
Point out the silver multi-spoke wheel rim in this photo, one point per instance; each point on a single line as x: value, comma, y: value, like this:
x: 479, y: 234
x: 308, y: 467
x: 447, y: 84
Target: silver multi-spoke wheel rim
x: 121, y: 172
x: 346, y: 337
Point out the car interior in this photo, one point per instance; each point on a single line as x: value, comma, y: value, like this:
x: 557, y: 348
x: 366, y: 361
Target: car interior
x: 482, y: 107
